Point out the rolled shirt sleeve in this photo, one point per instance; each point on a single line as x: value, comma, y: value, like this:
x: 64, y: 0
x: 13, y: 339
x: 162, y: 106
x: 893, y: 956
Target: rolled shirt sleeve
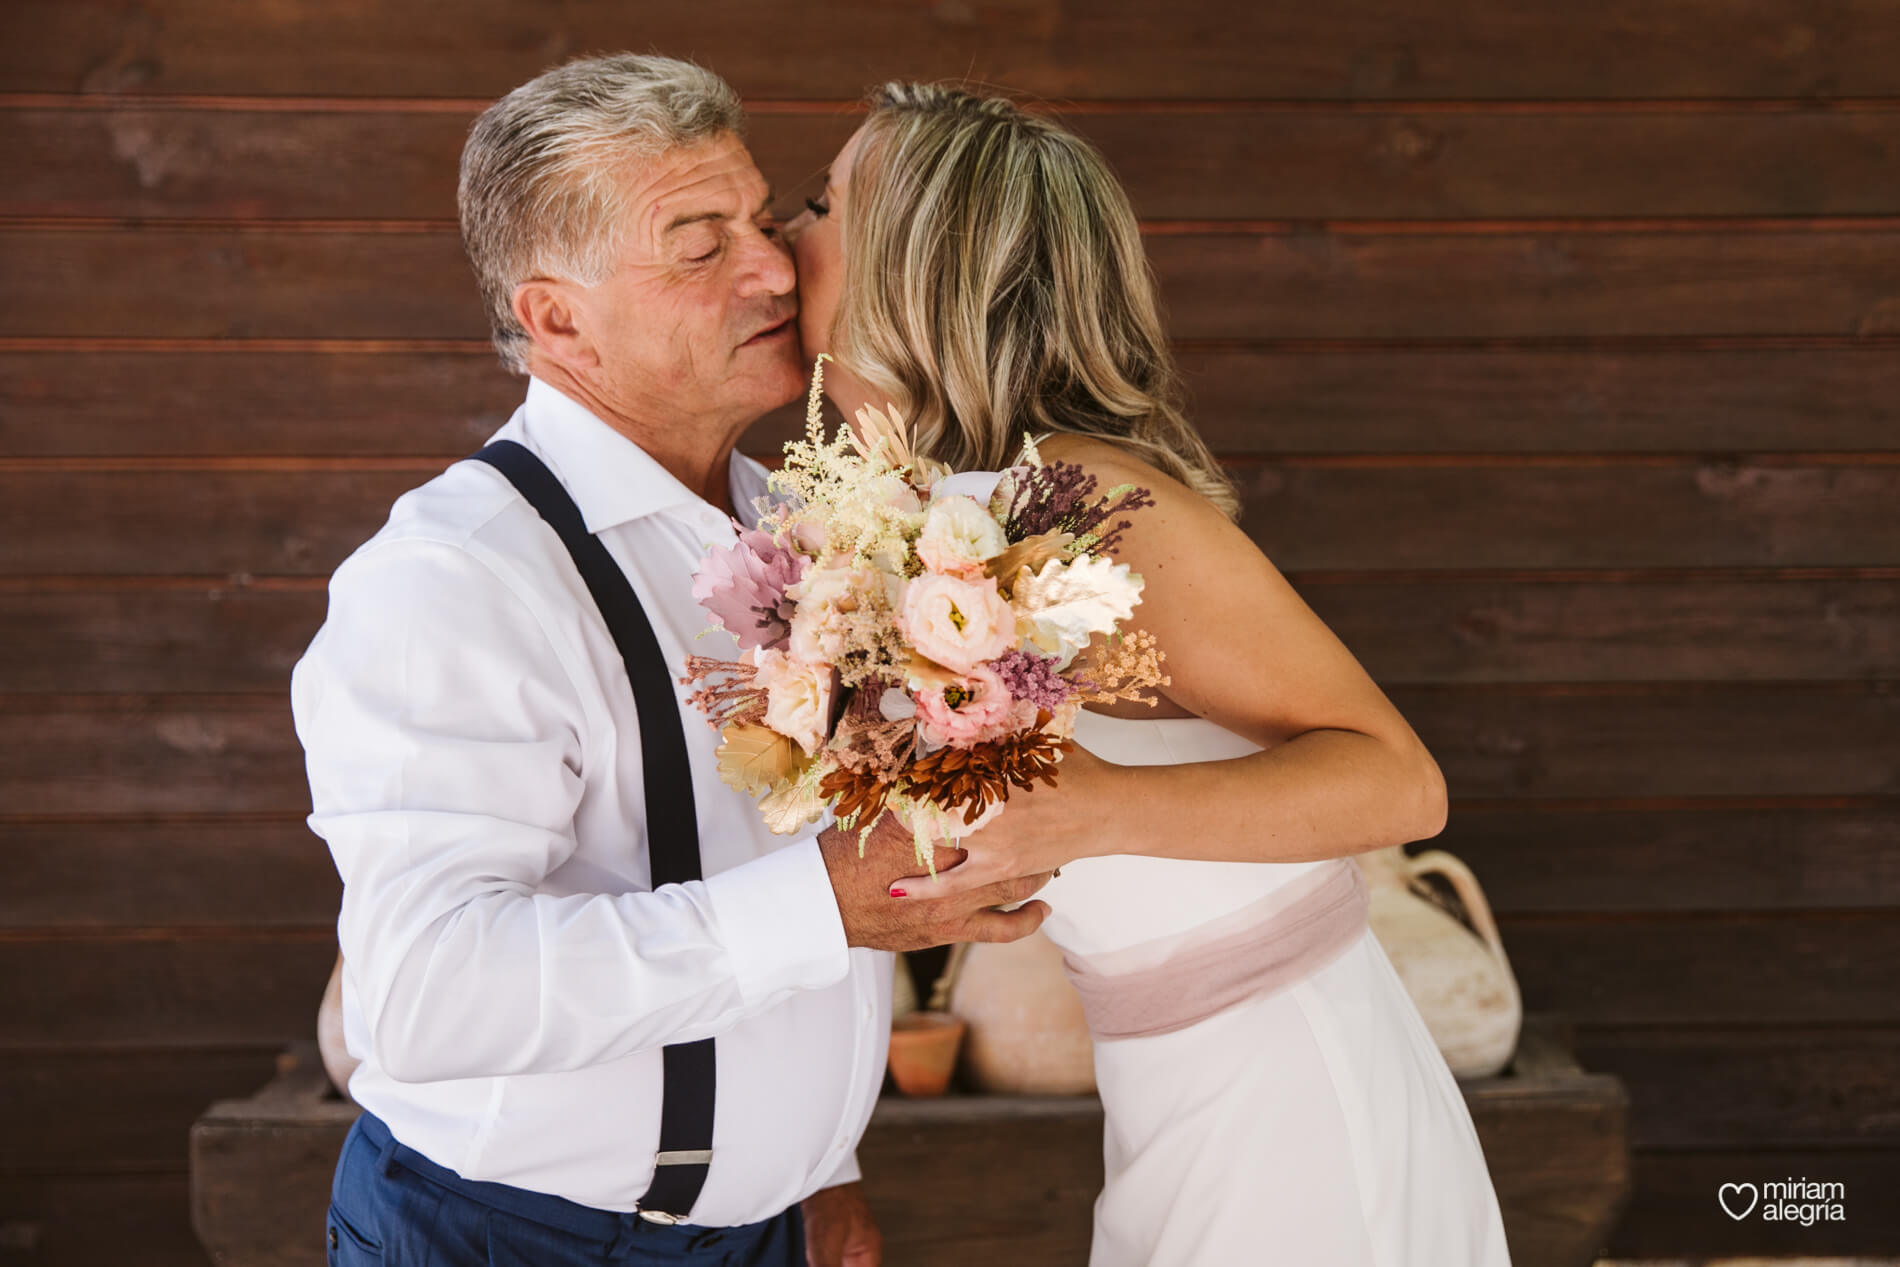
x: 445, y: 737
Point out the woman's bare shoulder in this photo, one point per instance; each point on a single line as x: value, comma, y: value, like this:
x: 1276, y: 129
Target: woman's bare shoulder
x: 1177, y: 510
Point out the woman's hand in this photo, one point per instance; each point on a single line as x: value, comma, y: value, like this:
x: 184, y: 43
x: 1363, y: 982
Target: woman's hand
x: 1037, y: 832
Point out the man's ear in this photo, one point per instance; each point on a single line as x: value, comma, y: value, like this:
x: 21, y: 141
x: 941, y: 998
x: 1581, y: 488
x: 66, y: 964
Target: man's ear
x: 550, y: 313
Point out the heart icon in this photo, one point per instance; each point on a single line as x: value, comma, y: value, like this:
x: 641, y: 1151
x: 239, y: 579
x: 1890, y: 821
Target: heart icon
x: 1754, y: 1195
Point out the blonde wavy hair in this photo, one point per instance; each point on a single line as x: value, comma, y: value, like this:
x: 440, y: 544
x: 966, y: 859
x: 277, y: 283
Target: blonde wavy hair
x: 996, y: 287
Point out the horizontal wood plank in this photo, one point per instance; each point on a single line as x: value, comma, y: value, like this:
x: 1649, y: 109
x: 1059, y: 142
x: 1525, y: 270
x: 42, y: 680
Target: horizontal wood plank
x: 1651, y: 860
x: 1359, y: 49
x: 1304, y: 398
x: 210, y: 755
x: 1407, y: 632
x: 254, y: 282
x: 84, y: 1220
x: 68, y: 876
x: 1689, y: 514
x: 1792, y: 970
x: 284, y: 521
x: 79, y: 1108
x: 1673, y: 1211
x: 239, y: 989
x: 214, y: 637
x: 1241, y: 163
x: 236, y: 401
x: 1626, y: 397
x: 217, y: 638
x: 1800, y: 1087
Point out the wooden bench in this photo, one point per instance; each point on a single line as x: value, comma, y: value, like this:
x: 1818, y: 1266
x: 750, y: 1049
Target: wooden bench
x: 1000, y: 1180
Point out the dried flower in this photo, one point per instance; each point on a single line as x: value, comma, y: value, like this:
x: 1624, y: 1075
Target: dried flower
x: 1033, y: 678
x: 743, y: 586
x: 1122, y: 670
x: 972, y: 778
x: 726, y: 694
x: 857, y: 796
x: 1060, y: 497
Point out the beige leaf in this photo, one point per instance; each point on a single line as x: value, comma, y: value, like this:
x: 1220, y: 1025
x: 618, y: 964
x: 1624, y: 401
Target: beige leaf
x: 756, y: 759
x: 1031, y: 553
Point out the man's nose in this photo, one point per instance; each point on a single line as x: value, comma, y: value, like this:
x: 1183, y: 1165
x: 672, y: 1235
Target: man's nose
x: 769, y: 268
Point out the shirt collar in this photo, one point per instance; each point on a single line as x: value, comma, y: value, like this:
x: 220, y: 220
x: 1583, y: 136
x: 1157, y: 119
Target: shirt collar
x: 612, y: 479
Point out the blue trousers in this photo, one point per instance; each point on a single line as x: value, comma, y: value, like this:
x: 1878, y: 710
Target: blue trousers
x: 391, y: 1205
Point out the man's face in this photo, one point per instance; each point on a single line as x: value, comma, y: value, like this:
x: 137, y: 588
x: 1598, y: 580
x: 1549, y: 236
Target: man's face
x: 699, y: 320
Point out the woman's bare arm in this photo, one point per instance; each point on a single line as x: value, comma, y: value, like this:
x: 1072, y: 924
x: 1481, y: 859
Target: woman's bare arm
x: 1342, y: 772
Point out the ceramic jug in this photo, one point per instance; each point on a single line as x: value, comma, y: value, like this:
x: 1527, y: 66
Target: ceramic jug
x: 1459, y: 977
x: 1027, y: 1034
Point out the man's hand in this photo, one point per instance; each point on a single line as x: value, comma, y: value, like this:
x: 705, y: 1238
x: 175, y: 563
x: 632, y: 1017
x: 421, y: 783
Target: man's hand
x: 872, y: 917
x: 839, y: 1229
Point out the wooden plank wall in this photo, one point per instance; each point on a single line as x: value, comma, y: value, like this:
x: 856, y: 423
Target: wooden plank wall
x: 1554, y: 345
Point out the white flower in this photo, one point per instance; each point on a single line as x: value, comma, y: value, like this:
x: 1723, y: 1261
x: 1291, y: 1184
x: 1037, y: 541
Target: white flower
x: 1065, y: 604
x: 797, y: 698
x: 958, y: 536
x: 823, y: 598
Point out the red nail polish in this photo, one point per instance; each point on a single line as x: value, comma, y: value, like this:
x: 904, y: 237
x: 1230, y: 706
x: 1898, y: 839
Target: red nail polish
x: 899, y: 893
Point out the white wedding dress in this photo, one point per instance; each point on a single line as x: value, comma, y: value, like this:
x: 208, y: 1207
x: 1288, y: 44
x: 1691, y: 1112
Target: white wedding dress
x: 1313, y: 1126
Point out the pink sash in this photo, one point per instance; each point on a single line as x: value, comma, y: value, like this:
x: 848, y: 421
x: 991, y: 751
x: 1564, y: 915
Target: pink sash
x: 1290, y: 934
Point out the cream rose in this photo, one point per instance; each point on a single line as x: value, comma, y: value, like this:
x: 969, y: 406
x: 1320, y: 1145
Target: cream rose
x: 823, y: 598
x: 957, y: 623
x: 797, y: 697
x: 958, y: 537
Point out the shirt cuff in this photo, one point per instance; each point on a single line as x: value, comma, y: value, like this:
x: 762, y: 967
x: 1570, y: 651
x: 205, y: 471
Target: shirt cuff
x: 847, y: 1172
x: 779, y: 921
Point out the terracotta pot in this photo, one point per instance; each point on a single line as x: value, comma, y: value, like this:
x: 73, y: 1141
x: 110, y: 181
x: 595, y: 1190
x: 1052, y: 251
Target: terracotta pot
x: 1028, y: 1035
x: 1459, y: 977
x: 337, y: 1061
x: 924, y: 1051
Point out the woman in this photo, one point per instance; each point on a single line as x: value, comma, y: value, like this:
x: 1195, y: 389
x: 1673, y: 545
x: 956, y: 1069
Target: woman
x: 1271, y: 1092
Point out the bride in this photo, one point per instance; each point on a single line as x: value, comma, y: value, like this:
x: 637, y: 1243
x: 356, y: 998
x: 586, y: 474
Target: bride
x: 1272, y: 1094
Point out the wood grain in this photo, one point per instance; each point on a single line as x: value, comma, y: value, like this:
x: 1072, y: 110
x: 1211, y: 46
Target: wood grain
x: 1714, y: 513
x: 1253, y: 282
x: 87, y: 756
x: 237, y: 400
x: 1624, y: 396
x: 1711, y: 858
x: 1810, y: 1087
x: 231, y: 989
x: 102, y: 875
x: 86, y: 1219
x: 399, y: 399
x: 1249, y: 161
x: 1359, y: 49
x: 81, y: 1108
x: 1794, y: 970
x: 267, y: 519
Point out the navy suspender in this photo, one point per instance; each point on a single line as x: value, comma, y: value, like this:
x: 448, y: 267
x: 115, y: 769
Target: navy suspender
x: 686, y: 1097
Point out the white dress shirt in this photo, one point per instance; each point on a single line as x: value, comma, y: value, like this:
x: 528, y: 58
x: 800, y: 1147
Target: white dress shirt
x: 474, y: 759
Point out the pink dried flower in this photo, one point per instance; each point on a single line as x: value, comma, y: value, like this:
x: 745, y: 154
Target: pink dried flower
x: 1033, y: 678
x: 743, y: 588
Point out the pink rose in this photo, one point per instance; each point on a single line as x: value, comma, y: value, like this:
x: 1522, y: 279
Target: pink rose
x: 967, y: 710
x: 797, y: 697
x: 955, y: 622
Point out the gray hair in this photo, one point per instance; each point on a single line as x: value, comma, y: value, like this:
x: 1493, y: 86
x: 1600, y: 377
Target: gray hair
x: 541, y: 191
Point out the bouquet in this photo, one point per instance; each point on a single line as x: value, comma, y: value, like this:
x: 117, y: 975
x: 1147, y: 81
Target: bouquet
x: 914, y: 642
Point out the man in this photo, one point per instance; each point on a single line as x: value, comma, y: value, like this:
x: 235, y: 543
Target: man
x: 520, y: 976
